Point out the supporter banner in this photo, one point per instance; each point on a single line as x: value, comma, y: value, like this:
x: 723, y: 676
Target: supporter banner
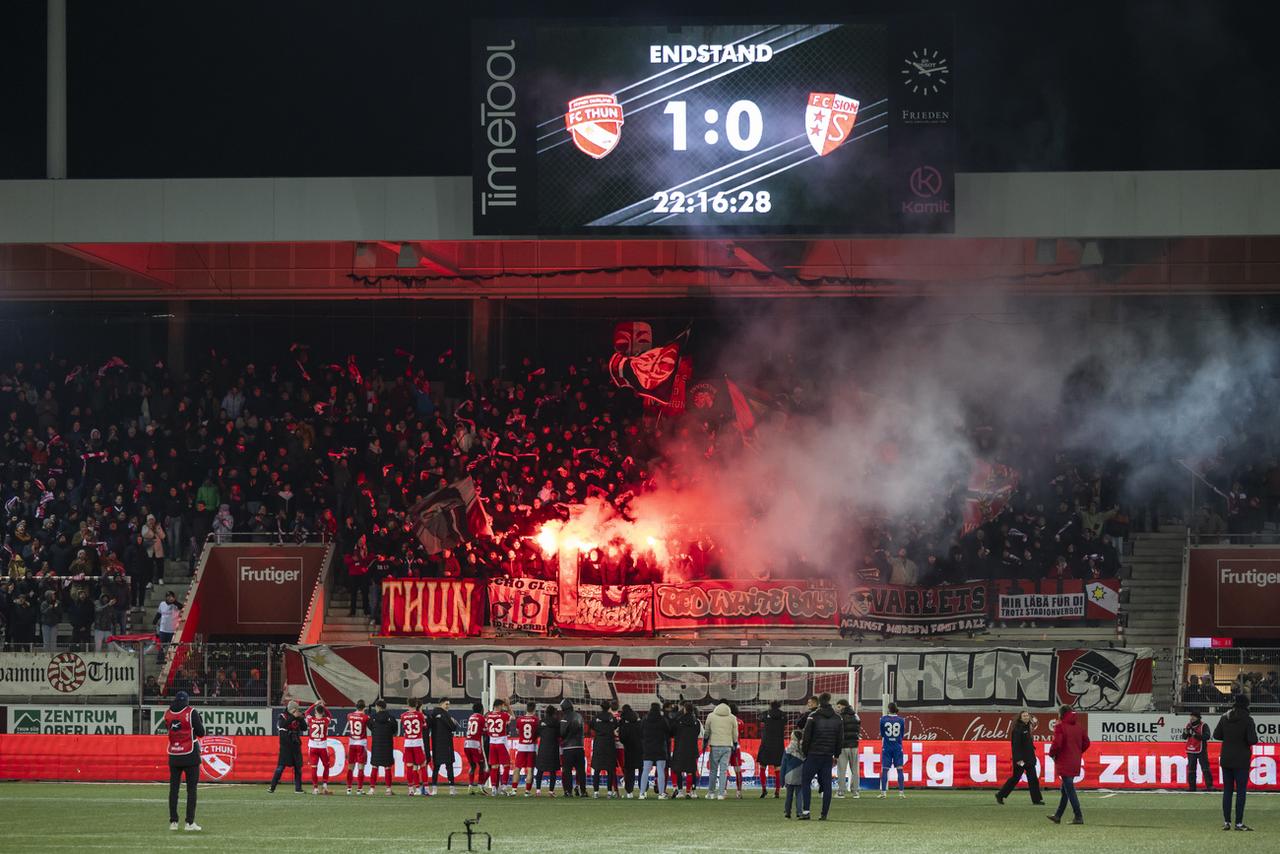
x: 1011, y: 679
x: 521, y: 603
x: 981, y: 681
x: 431, y: 607
x: 1041, y: 606
x: 221, y: 720
x: 698, y: 604
x: 890, y: 609
x: 929, y: 764
x: 69, y: 720
x: 1157, y: 726
x: 68, y: 674
x: 611, y: 610
x: 1068, y: 599
x: 255, y: 589
x: 1233, y: 592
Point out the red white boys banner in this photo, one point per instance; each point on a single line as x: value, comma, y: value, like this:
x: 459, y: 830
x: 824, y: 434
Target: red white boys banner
x: 431, y: 607
x: 934, y: 765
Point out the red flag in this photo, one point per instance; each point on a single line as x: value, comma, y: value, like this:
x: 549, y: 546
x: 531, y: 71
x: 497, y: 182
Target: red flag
x: 742, y: 414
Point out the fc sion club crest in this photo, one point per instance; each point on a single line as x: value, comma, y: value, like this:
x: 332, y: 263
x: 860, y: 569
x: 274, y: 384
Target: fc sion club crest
x: 828, y: 119
x: 217, y: 755
x: 595, y: 124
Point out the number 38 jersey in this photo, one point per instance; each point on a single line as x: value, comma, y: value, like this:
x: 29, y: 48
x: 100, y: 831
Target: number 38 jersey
x: 892, y: 729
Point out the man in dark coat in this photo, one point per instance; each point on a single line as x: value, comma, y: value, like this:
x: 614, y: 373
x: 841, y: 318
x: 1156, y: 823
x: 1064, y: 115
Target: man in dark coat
x: 382, y: 733
x: 684, y: 755
x: 632, y: 751
x: 772, y: 744
x: 1238, y: 734
x: 604, y: 750
x: 289, y: 725
x: 574, y: 758
x: 655, y: 736
x: 184, y: 729
x: 823, y: 733
x: 442, y: 728
x: 1023, y: 752
x: 548, y: 756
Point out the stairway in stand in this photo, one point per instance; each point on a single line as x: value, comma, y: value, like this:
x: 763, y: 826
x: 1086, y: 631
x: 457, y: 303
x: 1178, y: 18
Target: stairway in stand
x: 1154, y: 584
x: 339, y: 628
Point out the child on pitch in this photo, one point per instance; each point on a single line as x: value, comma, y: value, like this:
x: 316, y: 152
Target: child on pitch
x: 793, y: 773
x: 892, y: 728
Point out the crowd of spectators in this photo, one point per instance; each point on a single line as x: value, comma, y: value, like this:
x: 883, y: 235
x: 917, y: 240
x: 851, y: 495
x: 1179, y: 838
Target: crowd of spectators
x: 1261, y: 689
x: 110, y: 470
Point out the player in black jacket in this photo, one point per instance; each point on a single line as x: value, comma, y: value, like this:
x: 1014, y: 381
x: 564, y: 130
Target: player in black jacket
x: 442, y: 727
x: 823, y: 733
x: 382, y: 732
x: 1023, y: 754
x: 289, y: 724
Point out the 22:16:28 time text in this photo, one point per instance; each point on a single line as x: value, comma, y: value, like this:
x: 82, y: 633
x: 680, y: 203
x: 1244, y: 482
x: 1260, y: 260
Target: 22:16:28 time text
x: 746, y: 201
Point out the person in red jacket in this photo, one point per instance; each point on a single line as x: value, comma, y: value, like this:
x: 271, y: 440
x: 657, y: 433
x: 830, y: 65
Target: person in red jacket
x: 1068, y: 749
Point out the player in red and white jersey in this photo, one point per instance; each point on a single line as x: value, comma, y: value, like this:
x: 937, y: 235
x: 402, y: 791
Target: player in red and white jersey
x: 357, y: 746
x: 412, y: 724
x: 496, y: 725
x: 318, y: 725
x: 526, y: 746
x: 473, y: 748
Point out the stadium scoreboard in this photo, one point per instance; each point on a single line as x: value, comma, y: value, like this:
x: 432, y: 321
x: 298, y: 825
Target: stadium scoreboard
x: 616, y: 128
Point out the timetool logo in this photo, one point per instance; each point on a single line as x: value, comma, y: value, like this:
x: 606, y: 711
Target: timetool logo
x: 828, y: 119
x: 595, y: 124
x: 497, y: 115
x: 925, y: 72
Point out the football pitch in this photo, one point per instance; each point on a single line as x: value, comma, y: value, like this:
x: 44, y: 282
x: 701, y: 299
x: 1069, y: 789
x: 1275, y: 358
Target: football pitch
x: 133, y: 818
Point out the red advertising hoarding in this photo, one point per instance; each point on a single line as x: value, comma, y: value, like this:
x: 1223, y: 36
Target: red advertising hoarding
x: 929, y: 764
x: 1233, y: 592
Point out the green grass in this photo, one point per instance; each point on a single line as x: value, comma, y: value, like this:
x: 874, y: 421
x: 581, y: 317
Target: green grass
x: 38, y: 817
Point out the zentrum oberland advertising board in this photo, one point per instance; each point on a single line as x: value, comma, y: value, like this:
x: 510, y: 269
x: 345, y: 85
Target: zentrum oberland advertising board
x: 615, y: 128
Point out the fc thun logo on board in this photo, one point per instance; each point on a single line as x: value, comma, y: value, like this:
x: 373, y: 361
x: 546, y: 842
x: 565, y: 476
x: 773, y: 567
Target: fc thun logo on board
x: 595, y: 124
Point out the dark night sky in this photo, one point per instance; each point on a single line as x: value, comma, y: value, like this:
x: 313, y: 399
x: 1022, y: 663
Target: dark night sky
x: 246, y: 88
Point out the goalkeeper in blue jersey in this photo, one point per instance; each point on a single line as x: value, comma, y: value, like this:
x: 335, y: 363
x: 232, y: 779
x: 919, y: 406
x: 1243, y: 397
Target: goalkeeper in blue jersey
x: 892, y: 728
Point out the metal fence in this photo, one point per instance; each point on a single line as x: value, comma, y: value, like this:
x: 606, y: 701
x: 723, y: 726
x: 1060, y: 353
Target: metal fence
x: 215, y: 673
x: 1212, y: 678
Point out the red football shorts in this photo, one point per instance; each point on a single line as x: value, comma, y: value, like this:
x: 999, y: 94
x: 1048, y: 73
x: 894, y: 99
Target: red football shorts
x: 524, y: 759
x: 321, y: 755
x: 357, y: 754
x: 414, y: 756
x: 475, y: 759
x: 498, y: 755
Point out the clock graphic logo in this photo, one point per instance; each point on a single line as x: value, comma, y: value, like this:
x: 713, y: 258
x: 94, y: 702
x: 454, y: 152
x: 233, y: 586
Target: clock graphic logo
x: 925, y: 72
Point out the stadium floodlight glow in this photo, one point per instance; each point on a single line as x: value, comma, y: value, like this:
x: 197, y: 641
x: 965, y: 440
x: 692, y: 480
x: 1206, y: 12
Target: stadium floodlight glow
x: 749, y: 686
